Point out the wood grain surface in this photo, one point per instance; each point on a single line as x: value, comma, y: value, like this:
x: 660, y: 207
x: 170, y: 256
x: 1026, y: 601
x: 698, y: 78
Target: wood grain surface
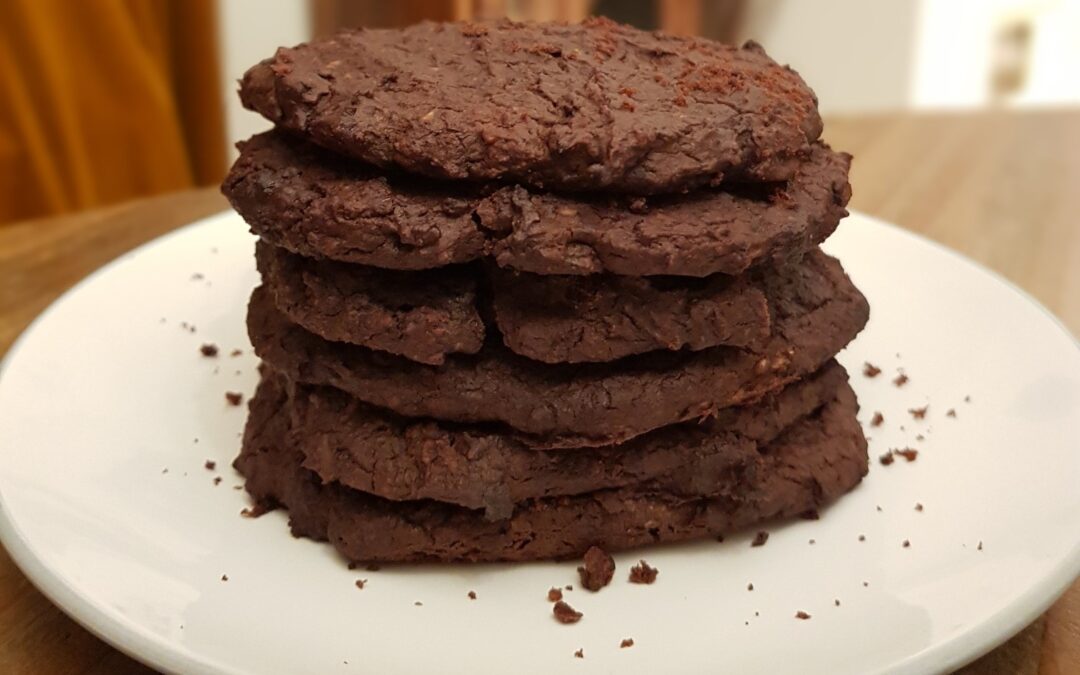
x: 1003, y: 188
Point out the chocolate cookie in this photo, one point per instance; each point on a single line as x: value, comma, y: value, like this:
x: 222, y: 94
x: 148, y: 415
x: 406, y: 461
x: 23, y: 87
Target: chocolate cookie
x: 320, y: 205
x: 374, y: 451
x: 574, y: 319
x: 420, y: 315
x: 587, y: 106
x: 815, y: 309
x: 811, y: 464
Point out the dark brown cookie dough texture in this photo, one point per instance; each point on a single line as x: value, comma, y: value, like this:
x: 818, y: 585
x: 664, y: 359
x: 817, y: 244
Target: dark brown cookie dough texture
x: 542, y: 291
x: 594, y: 106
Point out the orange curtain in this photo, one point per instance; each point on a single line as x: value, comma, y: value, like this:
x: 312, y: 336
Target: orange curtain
x: 106, y: 100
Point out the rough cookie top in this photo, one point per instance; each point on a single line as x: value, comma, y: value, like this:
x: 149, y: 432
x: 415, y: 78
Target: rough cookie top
x: 591, y: 106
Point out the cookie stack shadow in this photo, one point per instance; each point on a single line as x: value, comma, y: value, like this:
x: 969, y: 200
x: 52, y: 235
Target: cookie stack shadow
x: 529, y: 288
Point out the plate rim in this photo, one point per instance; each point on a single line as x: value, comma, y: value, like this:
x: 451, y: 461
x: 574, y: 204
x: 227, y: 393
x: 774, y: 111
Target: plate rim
x: 157, y: 652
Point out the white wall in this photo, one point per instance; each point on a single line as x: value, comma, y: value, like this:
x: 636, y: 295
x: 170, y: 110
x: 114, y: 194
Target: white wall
x: 856, y: 54
x: 250, y: 31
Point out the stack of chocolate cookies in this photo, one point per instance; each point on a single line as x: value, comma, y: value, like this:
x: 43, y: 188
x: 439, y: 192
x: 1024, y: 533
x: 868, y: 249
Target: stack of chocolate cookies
x: 529, y: 288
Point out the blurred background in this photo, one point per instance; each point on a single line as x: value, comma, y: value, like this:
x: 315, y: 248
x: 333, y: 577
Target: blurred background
x: 117, y: 99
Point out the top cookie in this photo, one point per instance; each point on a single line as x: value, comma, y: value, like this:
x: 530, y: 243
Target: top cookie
x: 592, y: 106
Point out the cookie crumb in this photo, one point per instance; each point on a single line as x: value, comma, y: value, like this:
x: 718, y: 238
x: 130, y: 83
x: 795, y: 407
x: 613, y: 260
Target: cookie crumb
x: 217, y: 480
x: 360, y: 583
x: 877, y: 419
x: 234, y: 398
x: 836, y: 602
x: 920, y: 437
x: 802, y: 615
x: 750, y: 586
x: 919, y: 413
x: 236, y: 352
x: 564, y: 613
x: 208, y: 350
x: 579, y: 654
x: 879, y: 509
x: 598, y: 570
x: 472, y: 595
x: 862, y: 537
x: 642, y: 573
x: 901, y: 380
x: 813, y: 541
x: 967, y: 399
x: 907, y: 453
x: 554, y: 595
x: 918, y: 506
x: 209, y: 465
x: 906, y: 544
x: 866, y: 584
x: 224, y: 577
x: 627, y: 642
x: 418, y: 604
x: 568, y: 587
x: 870, y: 370
x: 951, y: 412
x: 760, y: 538
x: 886, y: 459
x: 979, y: 547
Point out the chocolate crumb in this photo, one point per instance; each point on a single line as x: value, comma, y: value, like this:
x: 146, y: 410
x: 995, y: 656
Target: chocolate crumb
x: 580, y: 654
x: 234, y: 398
x: 979, y: 547
x: 360, y: 583
x: 564, y: 613
x: 951, y: 412
x: 813, y: 541
x: 906, y: 544
x: 907, y: 453
x: 760, y: 538
x: 757, y: 613
x: 887, y: 458
x: 627, y: 642
x: 870, y: 370
x: 224, y: 577
x: 918, y: 506
x: 236, y: 352
x: 472, y: 595
x: 862, y: 537
x: 877, y: 419
x: 569, y: 587
x: 208, y: 350
x: 210, y: 465
x: 866, y: 584
x: 901, y: 380
x: 598, y: 570
x: 554, y: 595
x: 750, y: 586
x: 217, y: 480
x: 919, y: 413
x: 642, y: 573
x: 836, y: 602
x: 254, y: 511
x: 802, y: 615
x: 418, y: 604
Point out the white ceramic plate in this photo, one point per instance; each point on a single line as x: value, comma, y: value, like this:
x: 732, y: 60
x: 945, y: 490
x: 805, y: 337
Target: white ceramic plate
x: 108, y: 413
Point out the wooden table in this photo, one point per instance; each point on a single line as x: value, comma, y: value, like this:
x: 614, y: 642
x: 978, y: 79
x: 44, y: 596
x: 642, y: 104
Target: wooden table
x: 1003, y: 188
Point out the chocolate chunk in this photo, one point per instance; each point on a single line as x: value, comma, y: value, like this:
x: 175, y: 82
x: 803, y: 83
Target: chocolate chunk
x: 627, y: 642
x: 234, y: 398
